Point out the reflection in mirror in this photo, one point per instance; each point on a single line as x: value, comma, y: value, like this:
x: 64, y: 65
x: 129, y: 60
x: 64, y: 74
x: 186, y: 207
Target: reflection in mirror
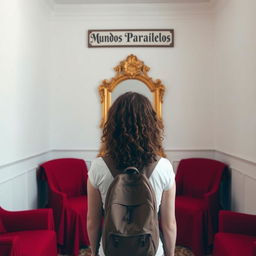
x: 131, y: 75
x: 131, y: 85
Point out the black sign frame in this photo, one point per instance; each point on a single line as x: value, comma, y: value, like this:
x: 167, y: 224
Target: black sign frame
x: 153, y: 34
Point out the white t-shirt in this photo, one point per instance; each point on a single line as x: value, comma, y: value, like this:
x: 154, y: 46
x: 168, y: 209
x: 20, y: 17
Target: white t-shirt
x: 161, y: 179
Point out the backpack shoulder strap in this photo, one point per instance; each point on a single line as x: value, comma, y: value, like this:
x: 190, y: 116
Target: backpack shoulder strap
x: 150, y: 168
x: 111, y: 166
x: 147, y: 170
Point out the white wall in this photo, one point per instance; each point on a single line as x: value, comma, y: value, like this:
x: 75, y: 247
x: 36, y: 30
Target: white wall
x: 24, y: 94
x: 235, y: 123
x: 49, y: 101
x: 209, y: 79
x: 77, y: 71
x: 235, y: 97
x: 24, y: 79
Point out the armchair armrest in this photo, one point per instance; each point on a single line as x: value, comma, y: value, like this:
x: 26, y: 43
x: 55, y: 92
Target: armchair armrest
x: 254, y: 249
x: 234, y: 222
x: 179, y: 185
x: 57, y: 202
x: 211, y: 198
x: 178, y: 189
x: 28, y: 220
x: 58, y: 196
x: 212, y: 202
x: 7, y: 245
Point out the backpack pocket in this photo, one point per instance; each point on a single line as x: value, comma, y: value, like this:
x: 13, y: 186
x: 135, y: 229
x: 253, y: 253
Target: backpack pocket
x: 127, y: 245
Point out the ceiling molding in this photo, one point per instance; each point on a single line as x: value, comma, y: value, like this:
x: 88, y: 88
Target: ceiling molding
x: 130, y: 10
x: 79, y: 2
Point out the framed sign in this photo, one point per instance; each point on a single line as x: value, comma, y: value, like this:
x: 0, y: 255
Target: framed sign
x: 131, y: 38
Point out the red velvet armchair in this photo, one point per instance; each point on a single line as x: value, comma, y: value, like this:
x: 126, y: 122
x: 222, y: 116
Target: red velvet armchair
x: 67, y: 195
x: 197, y: 202
x: 236, y: 236
x: 27, y: 233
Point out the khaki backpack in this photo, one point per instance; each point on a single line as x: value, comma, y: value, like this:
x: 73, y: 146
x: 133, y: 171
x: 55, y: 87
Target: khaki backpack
x: 130, y: 222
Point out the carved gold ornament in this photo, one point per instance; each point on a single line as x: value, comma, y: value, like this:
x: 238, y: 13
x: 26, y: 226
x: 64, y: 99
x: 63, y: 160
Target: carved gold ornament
x: 131, y: 68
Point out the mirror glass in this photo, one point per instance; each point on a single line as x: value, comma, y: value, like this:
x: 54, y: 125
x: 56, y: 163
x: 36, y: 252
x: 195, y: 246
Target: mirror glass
x: 131, y: 85
x: 129, y: 76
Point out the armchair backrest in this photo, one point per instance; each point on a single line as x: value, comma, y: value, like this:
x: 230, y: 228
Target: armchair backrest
x: 197, y: 176
x: 67, y: 175
x: 2, y: 227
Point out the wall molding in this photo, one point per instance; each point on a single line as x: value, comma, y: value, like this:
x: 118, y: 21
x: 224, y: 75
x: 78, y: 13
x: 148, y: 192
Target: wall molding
x: 20, y: 175
x: 18, y: 167
x: 131, y: 10
x: 243, y: 166
x: 23, y: 159
x: 235, y: 157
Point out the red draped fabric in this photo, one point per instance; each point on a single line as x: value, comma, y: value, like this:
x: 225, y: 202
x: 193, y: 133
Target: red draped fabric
x: 197, y: 202
x: 27, y: 233
x: 67, y: 179
x: 236, y: 236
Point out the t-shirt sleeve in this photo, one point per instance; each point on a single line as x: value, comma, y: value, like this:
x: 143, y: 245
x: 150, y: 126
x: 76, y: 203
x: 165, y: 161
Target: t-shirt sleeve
x: 93, y: 174
x: 169, y: 175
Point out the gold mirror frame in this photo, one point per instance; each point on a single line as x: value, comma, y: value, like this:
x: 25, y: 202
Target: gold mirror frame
x: 131, y: 68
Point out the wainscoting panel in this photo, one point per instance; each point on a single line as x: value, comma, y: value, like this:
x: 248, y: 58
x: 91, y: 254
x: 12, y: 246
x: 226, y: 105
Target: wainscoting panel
x: 6, y: 195
x: 244, y: 166
x: 243, y: 182
x: 32, y: 188
x: 237, y: 190
x: 18, y: 184
x: 249, y: 195
x: 19, y: 189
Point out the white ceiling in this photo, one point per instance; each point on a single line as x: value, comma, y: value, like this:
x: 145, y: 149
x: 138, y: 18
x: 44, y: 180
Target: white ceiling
x: 127, y: 1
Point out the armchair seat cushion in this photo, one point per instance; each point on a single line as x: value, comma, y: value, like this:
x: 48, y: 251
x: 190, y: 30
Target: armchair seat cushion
x: 231, y: 244
x: 31, y: 243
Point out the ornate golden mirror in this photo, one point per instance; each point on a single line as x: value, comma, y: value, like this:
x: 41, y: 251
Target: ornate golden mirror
x: 131, y: 75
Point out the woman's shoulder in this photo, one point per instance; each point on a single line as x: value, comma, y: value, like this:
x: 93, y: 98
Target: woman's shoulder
x: 164, y: 163
x: 98, y: 165
x: 165, y: 173
x: 97, y: 171
x: 164, y: 168
x: 98, y: 160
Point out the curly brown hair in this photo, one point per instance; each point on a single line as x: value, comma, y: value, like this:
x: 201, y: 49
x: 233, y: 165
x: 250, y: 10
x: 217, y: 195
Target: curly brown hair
x: 132, y: 134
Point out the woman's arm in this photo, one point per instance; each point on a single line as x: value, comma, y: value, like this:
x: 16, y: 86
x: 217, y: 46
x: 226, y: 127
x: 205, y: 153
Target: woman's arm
x: 168, y: 221
x: 94, y: 217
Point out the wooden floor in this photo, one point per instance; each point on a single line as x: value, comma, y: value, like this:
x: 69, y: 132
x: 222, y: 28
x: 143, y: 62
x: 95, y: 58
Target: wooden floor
x: 180, y: 251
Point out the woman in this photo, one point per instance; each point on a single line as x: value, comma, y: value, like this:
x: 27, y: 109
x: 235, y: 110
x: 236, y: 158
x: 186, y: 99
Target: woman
x: 132, y: 136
